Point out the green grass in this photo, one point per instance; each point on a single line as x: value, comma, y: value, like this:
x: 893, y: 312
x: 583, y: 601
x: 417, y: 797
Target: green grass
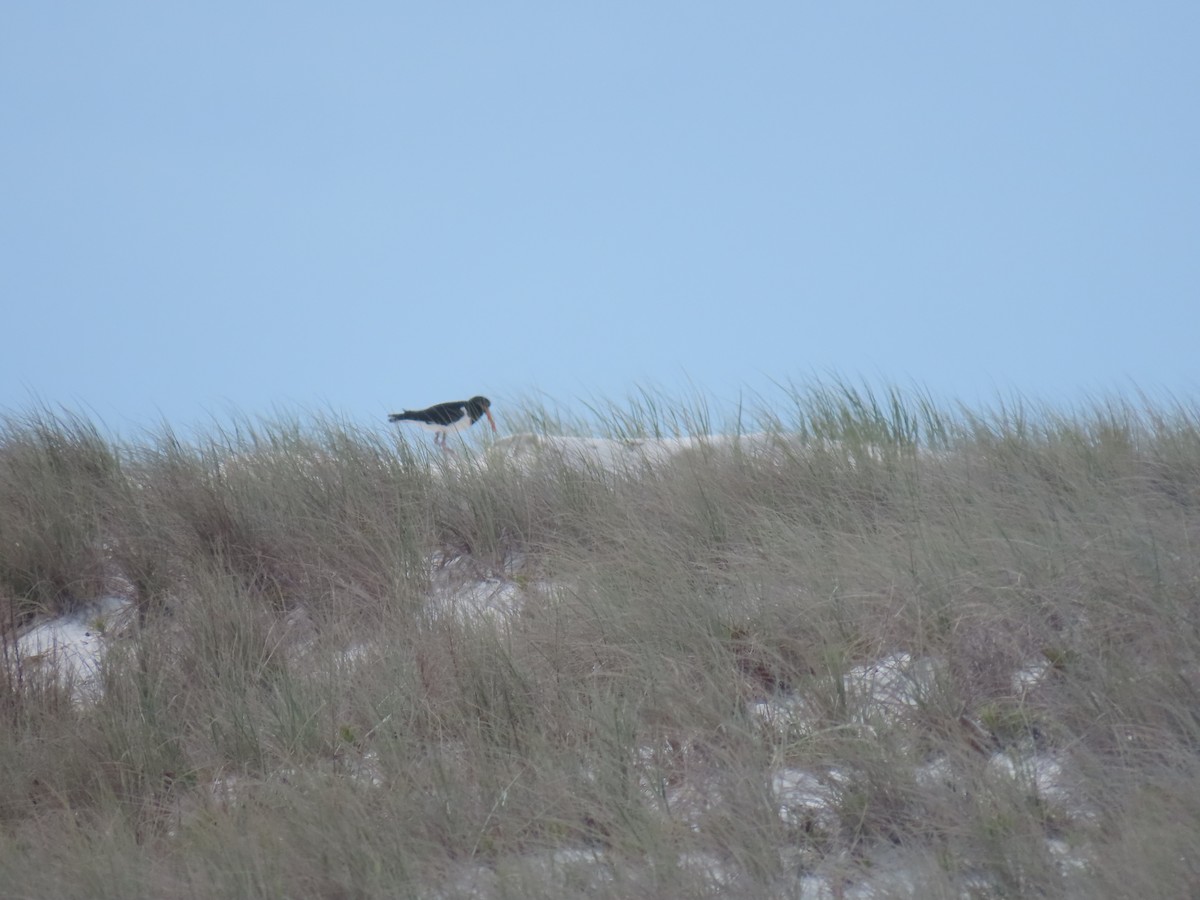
x: 286, y: 715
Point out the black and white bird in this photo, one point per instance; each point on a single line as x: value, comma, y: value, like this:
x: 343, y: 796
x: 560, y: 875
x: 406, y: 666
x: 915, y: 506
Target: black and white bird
x: 447, y: 418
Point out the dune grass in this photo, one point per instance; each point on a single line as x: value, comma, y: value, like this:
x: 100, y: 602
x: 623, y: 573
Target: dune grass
x: 287, y: 714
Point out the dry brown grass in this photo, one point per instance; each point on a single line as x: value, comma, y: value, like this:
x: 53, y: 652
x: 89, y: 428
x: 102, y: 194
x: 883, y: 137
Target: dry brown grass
x: 289, y: 716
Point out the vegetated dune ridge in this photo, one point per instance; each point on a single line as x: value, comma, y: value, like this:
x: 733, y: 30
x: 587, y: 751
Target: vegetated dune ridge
x: 881, y: 650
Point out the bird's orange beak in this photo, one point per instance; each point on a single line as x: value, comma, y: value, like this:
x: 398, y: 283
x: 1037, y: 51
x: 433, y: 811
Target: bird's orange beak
x: 488, y: 413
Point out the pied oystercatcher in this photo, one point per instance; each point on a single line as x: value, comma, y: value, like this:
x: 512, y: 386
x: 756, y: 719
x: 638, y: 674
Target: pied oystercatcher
x: 446, y: 418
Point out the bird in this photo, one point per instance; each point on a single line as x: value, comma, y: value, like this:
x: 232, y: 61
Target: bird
x: 446, y: 418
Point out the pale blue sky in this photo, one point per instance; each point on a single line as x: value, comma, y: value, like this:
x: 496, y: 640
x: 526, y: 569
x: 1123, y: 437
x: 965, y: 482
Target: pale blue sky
x: 357, y: 207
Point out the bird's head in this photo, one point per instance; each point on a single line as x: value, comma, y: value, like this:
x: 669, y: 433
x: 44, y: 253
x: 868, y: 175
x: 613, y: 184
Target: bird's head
x: 484, y: 404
